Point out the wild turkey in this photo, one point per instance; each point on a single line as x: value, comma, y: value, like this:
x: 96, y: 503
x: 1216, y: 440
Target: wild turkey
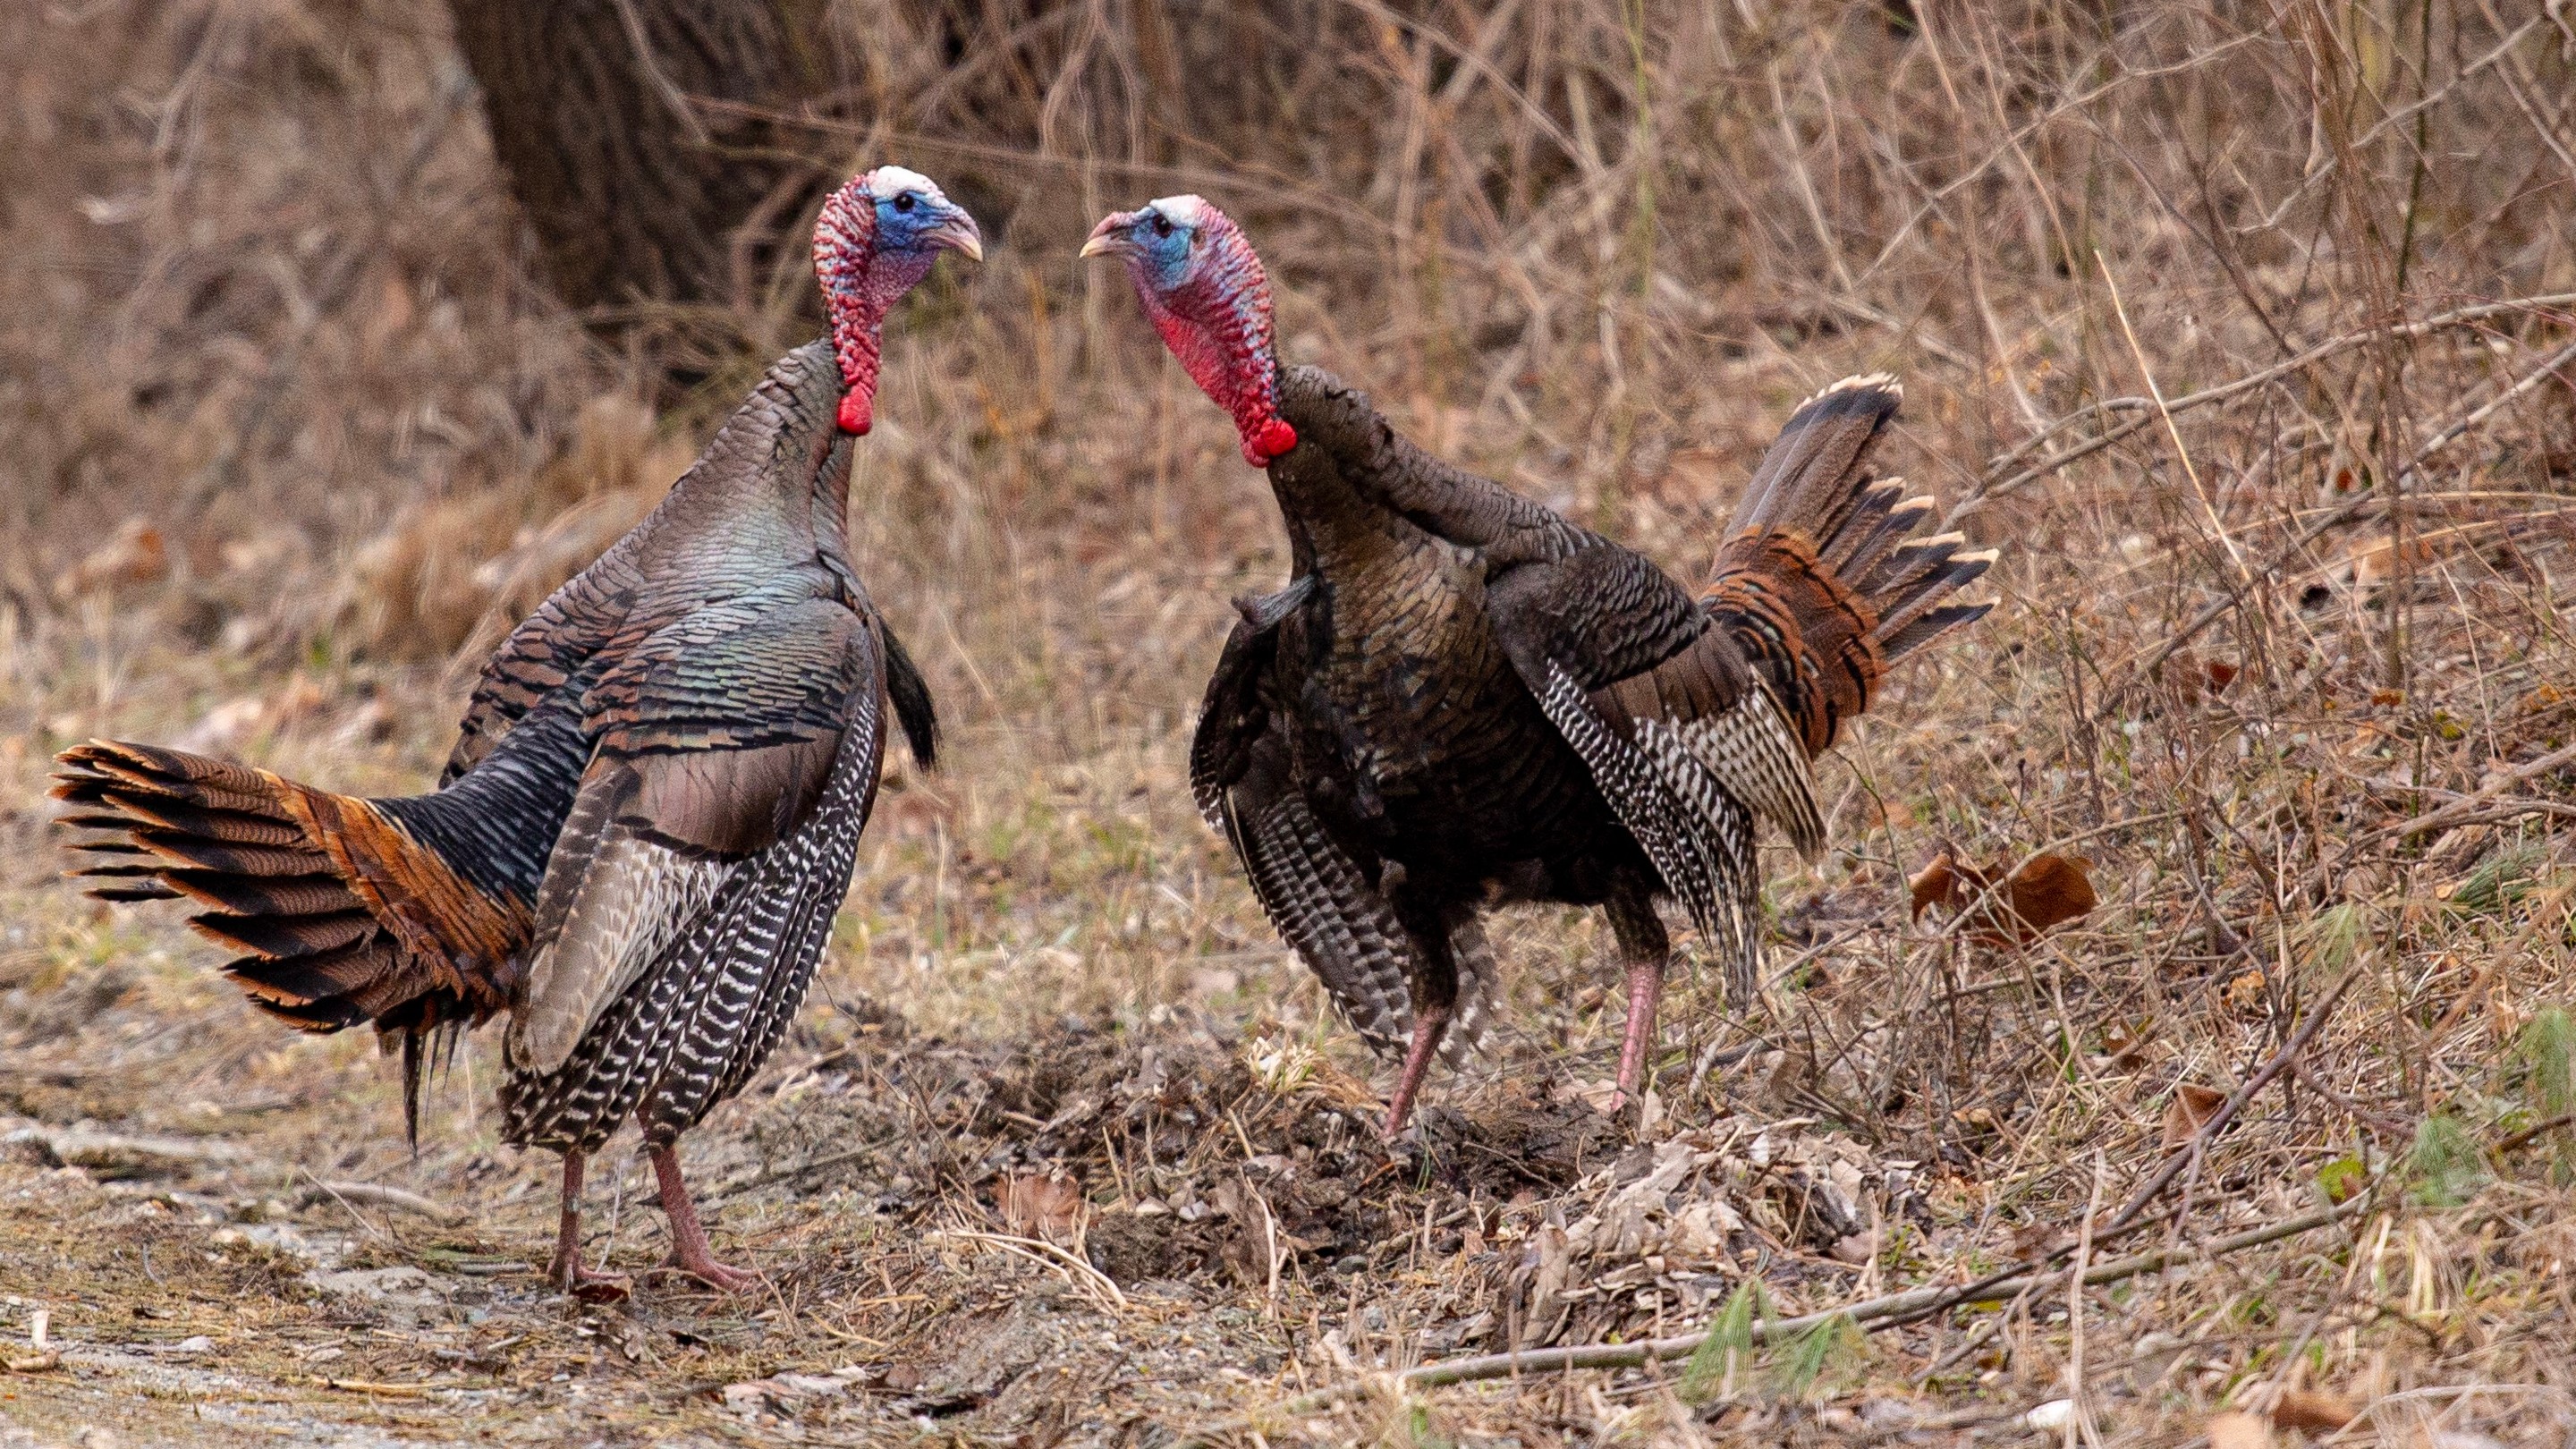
x: 1461, y: 698
x: 654, y: 802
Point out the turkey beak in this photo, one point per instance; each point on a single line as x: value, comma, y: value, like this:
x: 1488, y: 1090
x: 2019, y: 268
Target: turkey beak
x: 1109, y: 239
x: 957, y: 232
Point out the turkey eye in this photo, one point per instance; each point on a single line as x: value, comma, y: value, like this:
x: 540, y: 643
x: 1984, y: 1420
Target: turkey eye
x: 1162, y: 226
x: 904, y: 202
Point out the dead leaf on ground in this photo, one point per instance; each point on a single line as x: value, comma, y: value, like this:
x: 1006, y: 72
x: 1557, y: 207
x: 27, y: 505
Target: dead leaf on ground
x: 2192, y: 1107
x: 2313, y: 1409
x: 1046, y: 1205
x: 2244, y: 992
x: 2372, y: 562
x: 2046, y: 891
x: 136, y: 555
x: 2233, y: 1430
x: 2198, y: 678
x: 2129, y: 1044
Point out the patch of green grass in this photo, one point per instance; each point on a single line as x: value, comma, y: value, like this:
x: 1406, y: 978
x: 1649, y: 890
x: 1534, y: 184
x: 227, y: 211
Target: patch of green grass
x: 1722, y: 1356
x: 2548, y: 1050
x: 2335, y: 935
x: 1830, y: 1347
x: 2445, y: 1164
x: 2499, y: 881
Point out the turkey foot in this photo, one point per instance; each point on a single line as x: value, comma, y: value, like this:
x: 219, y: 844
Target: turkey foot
x: 690, y: 1252
x: 1645, y: 989
x: 1429, y: 1025
x: 564, y: 1270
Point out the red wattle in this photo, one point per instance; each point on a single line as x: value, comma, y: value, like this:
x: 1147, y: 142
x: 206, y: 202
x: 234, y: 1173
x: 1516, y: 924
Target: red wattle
x: 855, y: 415
x: 1267, y: 441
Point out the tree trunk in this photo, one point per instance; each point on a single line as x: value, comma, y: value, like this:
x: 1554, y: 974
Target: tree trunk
x: 611, y: 123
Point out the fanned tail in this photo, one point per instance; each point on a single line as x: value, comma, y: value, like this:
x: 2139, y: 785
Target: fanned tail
x: 1821, y: 580
x: 338, y: 914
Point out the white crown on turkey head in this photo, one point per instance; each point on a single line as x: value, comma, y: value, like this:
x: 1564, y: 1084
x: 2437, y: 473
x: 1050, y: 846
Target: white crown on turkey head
x: 894, y: 180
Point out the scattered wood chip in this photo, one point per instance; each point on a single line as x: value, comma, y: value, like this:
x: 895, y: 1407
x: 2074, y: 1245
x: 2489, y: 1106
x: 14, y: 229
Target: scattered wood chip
x: 2046, y: 891
x: 32, y: 1363
x: 2053, y: 1415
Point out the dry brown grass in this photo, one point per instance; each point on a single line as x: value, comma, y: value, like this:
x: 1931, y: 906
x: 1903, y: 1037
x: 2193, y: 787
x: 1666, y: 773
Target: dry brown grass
x: 2270, y: 660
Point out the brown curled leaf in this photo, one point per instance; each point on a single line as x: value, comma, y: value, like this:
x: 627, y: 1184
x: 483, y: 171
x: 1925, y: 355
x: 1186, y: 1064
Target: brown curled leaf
x: 2192, y: 1105
x: 2046, y: 891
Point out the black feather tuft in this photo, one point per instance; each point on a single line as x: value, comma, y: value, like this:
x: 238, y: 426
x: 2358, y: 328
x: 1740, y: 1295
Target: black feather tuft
x: 912, y: 706
x: 412, y: 1069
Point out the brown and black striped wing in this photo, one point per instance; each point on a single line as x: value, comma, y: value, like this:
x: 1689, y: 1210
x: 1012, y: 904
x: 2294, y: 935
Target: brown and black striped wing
x: 546, y: 651
x: 716, y: 737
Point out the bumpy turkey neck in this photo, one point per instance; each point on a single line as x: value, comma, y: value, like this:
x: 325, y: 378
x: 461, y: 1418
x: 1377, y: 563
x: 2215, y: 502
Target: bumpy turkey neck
x: 858, y: 304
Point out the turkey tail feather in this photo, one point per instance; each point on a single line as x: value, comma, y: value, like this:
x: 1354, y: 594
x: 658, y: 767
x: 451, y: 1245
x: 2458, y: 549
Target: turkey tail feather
x: 1821, y: 580
x: 337, y: 913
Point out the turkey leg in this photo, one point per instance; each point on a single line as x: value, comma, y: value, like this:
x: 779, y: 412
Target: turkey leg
x: 566, y: 1271
x: 1645, y: 989
x: 1429, y: 923
x: 689, y: 1251
x: 1429, y: 1024
x: 1642, y: 941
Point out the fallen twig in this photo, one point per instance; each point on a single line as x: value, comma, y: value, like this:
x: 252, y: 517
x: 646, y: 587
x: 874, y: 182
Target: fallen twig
x: 379, y: 1195
x: 795, y: 1171
x: 1873, y: 1313
x: 2148, y: 412
x: 2485, y: 795
x: 377, y: 1390
x: 2186, y: 1152
x: 2347, y: 512
x: 1894, y: 1309
x: 81, y: 1148
x: 1101, y: 1284
x: 2529, y: 1135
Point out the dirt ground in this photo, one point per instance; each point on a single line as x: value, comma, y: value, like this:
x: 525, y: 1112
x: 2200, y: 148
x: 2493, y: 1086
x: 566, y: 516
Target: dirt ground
x: 2247, y: 336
